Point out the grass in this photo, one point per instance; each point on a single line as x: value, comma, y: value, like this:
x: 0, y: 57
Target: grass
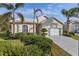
x: 57, y: 51
x: 14, y: 42
x: 75, y: 37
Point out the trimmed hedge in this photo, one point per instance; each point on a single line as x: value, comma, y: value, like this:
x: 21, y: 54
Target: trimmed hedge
x: 5, y: 35
x: 70, y: 34
x: 21, y: 34
x: 2, y: 34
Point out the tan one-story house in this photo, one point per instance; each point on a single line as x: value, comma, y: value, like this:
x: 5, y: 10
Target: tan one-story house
x: 53, y: 25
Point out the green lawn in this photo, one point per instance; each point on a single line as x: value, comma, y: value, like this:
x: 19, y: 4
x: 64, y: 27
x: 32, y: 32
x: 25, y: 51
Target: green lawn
x: 75, y: 37
x: 72, y: 35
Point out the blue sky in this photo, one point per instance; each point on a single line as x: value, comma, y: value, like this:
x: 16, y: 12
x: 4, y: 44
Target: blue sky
x: 49, y: 9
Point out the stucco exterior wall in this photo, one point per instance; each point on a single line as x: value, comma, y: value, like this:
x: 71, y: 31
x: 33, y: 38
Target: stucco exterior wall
x: 50, y: 24
x: 30, y: 28
x: 58, y: 24
x: 45, y: 23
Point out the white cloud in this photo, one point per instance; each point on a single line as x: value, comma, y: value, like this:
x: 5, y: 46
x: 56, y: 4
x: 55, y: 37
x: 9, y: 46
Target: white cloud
x: 49, y: 11
x: 26, y: 12
x: 52, y: 6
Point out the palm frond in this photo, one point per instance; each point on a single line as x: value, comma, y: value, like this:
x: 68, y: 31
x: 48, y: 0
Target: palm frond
x: 17, y: 5
x: 3, y: 5
x: 10, y: 6
x: 7, y: 6
x: 35, y: 11
x: 5, y: 17
x: 21, y: 17
x: 69, y: 13
x: 64, y: 12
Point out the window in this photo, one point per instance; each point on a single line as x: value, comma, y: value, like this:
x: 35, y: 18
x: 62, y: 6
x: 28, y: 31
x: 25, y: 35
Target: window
x: 24, y: 28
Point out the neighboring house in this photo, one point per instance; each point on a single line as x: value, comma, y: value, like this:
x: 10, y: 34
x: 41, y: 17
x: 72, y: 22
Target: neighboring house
x: 73, y: 26
x: 53, y: 25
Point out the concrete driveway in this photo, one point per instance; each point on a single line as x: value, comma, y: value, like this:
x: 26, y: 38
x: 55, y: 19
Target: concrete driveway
x: 68, y: 44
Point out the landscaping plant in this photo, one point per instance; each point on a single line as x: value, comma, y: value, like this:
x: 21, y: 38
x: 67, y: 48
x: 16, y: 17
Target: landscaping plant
x: 42, y: 42
x: 44, y: 31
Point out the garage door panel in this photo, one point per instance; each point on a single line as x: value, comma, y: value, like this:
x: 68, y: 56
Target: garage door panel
x: 54, y: 31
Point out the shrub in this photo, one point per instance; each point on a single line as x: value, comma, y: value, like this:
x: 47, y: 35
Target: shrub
x: 7, y: 49
x: 8, y: 33
x: 71, y: 33
x: 21, y: 34
x: 42, y: 42
x: 67, y: 35
x: 29, y: 33
x: 33, y: 50
x: 4, y: 46
x: 5, y: 35
x: 44, y: 30
x: 2, y: 34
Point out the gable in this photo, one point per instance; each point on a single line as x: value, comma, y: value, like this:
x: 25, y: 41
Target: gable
x: 47, y: 22
x: 51, y: 22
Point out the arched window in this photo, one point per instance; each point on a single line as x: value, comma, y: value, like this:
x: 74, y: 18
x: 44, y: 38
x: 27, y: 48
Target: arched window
x: 24, y: 28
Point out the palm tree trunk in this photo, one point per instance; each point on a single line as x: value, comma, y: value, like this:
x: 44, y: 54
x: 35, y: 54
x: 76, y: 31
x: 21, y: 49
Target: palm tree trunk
x: 37, y: 28
x: 0, y: 28
x: 34, y: 24
x: 67, y: 25
x: 13, y: 24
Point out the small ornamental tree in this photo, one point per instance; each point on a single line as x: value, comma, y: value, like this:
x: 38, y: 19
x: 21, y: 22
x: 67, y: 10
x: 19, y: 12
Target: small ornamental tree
x: 44, y: 31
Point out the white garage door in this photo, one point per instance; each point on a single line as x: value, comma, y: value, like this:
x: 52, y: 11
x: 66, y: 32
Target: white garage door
x: 54, y: 31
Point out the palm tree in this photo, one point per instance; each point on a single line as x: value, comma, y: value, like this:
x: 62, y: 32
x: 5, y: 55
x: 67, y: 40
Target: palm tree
x: 76, y: 11
x: 68, y: 13
x: 12, y: 8
x: 36, y: 16
x: 4, y: 22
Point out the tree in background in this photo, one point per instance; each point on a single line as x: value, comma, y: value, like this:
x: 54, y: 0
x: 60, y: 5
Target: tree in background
x: 68, y: 13
x: 38, y: 29
x: 11, y: 12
